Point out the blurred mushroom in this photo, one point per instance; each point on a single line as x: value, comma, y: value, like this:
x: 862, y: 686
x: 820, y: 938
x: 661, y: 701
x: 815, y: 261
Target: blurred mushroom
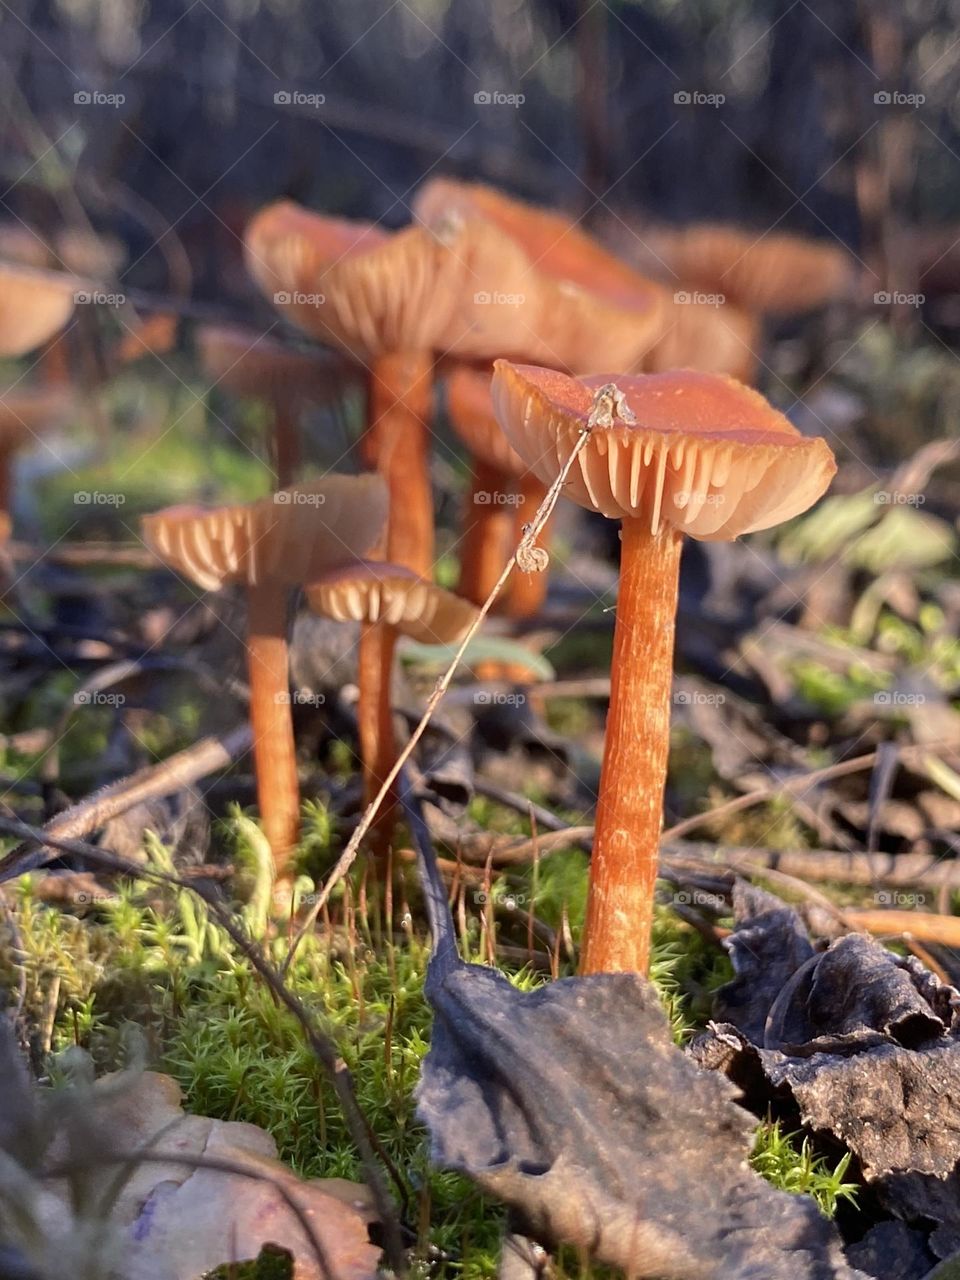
x: 34, y: 305
x: 621, y: 318
x: 255, y: 367
x: 393, y: 601
x: 386, y: 299
x: 666, y: 454
x: 504, y: 495
x: 270, y: 546
x: 543, y: 289
x: 767, y: 272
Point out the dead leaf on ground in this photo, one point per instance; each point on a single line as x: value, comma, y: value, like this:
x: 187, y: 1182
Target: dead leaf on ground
x: 178, y: 1221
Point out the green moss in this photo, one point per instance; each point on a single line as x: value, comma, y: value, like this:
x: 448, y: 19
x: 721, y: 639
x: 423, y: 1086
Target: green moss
x: 791, y: 1164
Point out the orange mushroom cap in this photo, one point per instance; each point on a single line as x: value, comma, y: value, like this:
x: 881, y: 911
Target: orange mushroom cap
x: 705, y: 454
x: 34, y: 305
x: 353, y: 284
x: 371, y: 591
x: 579, y: 306
x: 777, y: 274
x: 291, y: 537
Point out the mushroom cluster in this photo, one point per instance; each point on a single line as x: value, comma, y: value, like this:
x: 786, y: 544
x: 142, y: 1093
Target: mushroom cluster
x: 510, y: 311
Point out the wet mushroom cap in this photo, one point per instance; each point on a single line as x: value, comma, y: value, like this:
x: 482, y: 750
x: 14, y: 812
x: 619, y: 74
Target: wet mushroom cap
x: 352, y: 284
x: 291, y: 537
x: 371, y: 591
x: 470, y: 403
x: 706, y: 454
x: 34, y: 305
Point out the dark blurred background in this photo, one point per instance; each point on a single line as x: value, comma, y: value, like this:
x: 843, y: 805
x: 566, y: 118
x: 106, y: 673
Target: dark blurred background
x: 830, y: 117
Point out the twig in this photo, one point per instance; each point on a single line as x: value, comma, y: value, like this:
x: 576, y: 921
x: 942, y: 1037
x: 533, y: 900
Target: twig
x: 530, y: 558
x: 170, y: 775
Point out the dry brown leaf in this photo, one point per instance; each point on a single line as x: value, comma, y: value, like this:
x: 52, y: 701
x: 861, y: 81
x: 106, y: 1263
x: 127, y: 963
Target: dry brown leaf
x: 180, y: 1221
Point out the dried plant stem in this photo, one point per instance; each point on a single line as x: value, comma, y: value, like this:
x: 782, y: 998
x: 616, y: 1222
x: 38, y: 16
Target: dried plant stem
x: 527, y: 555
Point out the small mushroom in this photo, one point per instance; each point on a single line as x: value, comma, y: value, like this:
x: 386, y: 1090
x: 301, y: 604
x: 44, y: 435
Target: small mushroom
x: 271, y: 546
x: 387, y: 600
x: 504, y: 496
x: 255, y: 367
x: 667, y: 454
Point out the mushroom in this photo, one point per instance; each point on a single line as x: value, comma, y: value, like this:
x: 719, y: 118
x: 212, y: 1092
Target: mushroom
x: 270, y: 546
x: 387, y: 600
x: 504, y: 495
x: 387, y: 300
x: 667, y: 454
x: 256, y: 367
x: 34, y: 305
x: 623, y: 319
x: 770, y: 273
x: 542, y: 289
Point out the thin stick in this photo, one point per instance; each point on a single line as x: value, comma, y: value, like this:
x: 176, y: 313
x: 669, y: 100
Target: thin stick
x: 530, y: 558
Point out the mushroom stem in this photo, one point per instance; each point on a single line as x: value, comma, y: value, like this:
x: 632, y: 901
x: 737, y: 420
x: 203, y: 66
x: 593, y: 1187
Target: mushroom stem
x: 528, y: 591
x: 378, y: 748
x: 623, y: 866
x: 488, y: 527
x: 398, y: 444
x: 274, y: 750
x: 286, y: 439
